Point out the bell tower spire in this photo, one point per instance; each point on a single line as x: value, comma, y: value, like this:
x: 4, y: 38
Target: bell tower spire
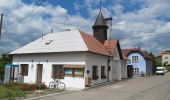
x: 100, y: 27
x: 100, y: 5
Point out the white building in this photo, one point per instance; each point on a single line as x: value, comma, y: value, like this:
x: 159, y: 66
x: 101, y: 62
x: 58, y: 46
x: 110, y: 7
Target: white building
x: 165, y: 57
x: 76, y: 58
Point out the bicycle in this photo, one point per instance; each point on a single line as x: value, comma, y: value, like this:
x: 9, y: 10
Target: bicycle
x: 57, y: 84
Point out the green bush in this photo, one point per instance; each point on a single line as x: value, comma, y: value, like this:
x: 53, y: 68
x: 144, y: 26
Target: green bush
x: 12, y: 86
x: 24, y: 86
x: 11, y: 98
x: 19, y: 93
x: 9, y: 91
x: 3, y: 92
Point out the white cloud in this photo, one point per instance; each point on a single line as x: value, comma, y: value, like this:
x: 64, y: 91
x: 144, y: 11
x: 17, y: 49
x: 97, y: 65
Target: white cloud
x: 144, y: 22
x: 141, y: 21
x: 40, y: 21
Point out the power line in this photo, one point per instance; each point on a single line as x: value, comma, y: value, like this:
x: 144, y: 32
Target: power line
x: 13, y: 26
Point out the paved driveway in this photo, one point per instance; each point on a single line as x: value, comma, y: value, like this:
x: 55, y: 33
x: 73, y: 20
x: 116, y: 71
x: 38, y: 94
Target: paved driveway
x: 149, y: 88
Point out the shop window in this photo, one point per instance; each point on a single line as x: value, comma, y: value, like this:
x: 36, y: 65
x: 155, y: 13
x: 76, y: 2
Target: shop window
x: 135, y: 59
x: 79, y: 72
x: 74, y: 72
x: 68, y: 72
x: 103, y: 76
x: 24, y: 70
x: 57, y: 72
x: 94, y: 73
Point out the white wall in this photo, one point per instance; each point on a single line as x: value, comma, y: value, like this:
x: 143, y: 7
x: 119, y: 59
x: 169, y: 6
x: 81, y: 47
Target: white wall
x: 124, y: 68
x: 81, y: 58
x: 97, y: 60
x: 164, y: 56
x: 47, y: 60
x: 116, y: 66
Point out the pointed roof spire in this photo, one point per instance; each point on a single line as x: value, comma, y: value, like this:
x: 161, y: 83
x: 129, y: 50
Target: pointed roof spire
x: 100, y: 5
x: 100, y: 21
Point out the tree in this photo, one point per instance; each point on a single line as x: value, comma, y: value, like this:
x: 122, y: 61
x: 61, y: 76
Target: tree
x: 155, y: 62
x: 158, y: 63
x: 4, y: 59
x: 167, y: 50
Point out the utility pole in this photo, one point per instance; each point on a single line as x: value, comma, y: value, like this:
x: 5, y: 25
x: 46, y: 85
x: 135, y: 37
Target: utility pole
x: 1, y: 25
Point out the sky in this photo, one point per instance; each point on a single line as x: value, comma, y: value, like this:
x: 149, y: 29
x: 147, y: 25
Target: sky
x: 144, y: 23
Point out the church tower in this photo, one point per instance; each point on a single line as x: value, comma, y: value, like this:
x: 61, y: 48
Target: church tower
x: 100, y: 28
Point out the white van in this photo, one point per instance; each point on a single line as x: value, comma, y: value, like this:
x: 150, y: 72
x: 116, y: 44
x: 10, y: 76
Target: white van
x: 160, y: 70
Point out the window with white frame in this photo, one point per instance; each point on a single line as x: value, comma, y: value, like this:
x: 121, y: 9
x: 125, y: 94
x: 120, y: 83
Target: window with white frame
x: 136, y: 71
x: 166, y: 57
x: 135, y: 59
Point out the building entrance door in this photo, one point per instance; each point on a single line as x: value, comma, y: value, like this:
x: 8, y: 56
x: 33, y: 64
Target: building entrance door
x: 39, y: 73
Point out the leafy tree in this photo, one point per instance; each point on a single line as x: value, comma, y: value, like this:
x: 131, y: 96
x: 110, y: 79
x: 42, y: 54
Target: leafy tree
x: 4, y: 59
x: 155, y: 62
x: 158, y: 63
x: 167, y: 50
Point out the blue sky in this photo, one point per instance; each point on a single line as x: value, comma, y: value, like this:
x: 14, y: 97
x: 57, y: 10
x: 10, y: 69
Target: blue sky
x: 132, y: 18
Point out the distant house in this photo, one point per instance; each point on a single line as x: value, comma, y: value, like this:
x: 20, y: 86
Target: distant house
x: 164, y: 57
x: 75, y: 57
x: 139, y: 60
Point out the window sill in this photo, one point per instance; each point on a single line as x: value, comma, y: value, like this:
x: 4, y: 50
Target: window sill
x: 74, y: 76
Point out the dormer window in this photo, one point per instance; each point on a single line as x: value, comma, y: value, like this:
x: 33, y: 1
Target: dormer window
x: 48, y: 42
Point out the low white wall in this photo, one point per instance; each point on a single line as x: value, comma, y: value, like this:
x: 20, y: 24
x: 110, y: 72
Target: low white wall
x: 74, y: 82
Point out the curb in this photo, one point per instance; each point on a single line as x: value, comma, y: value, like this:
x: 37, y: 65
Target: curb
x: 105, y: 83
x: 33, y: 98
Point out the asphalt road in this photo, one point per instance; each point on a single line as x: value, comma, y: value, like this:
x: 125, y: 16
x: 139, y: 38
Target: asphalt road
x: 148, y: 88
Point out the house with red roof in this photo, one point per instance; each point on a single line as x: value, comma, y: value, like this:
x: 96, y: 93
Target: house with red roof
x: 139, y: 61
x: 72, y: 56
x: 164, y: 57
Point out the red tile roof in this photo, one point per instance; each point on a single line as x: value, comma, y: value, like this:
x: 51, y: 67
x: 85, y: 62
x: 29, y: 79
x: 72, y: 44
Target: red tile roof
x: 111, y: 45
x: 94, y: 45
x: 160, y: 54
x: 126, y: 52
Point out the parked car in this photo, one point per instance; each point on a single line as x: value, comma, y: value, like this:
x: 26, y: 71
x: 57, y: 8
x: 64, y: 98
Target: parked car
x: 160, y: 70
